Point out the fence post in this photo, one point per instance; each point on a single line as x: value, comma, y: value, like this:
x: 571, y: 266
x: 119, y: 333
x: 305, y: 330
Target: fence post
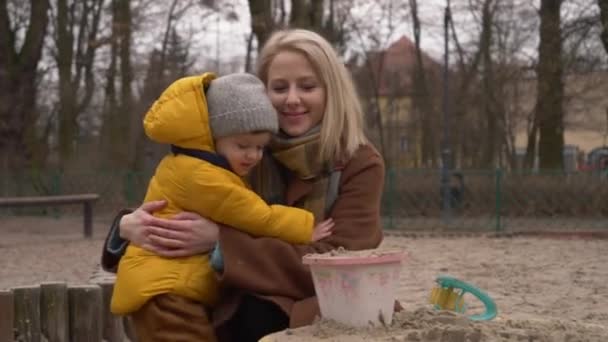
x: 27, y: 313
x: 54, y: 311
x: 85, y: 313
x: 391, y: 194
x: 129, y: 187
x: 113, y: 330
x: 498, y: 199
x: 88, y: 219
x: 7, y: 319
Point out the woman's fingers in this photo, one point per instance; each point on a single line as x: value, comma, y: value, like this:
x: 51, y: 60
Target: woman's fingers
x: 169, y: 234
x: 186, y: 215
x: 184, y: 234
x: 153, y: 206
x: 170, y: 248
x: 165, y: 243
x: 168, y: 224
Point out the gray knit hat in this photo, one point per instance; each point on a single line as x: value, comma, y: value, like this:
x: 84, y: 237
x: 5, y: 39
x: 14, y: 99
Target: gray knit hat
x: 238, y: 104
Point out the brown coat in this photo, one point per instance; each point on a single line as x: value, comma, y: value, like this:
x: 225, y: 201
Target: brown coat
x: 273, y: 269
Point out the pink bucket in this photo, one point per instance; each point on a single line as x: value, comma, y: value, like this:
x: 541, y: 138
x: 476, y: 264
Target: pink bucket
x: 356, y: 288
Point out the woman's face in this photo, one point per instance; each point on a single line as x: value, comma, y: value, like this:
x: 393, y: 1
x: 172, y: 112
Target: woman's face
x: 296, y: 92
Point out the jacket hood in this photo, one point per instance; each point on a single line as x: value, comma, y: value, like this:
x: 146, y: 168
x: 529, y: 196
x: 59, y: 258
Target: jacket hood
x: 180, y: 116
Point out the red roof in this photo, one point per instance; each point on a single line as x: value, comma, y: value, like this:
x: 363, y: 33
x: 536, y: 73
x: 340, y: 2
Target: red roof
x: 394, y: 67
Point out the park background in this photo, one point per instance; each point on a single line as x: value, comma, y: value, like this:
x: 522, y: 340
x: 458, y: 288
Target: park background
x: 496, y: 164
x: 511, y: 135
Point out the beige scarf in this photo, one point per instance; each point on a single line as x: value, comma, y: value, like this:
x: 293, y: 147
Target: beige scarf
x: 294, y: 157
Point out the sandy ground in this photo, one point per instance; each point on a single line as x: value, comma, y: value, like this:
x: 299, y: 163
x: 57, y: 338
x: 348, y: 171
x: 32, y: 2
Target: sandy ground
x: 530, y: 278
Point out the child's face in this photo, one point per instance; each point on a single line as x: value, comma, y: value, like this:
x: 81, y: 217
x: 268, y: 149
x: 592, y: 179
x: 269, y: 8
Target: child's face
x: 243, y: 151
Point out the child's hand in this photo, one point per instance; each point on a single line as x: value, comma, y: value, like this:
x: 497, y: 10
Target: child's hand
x: 323, y: 230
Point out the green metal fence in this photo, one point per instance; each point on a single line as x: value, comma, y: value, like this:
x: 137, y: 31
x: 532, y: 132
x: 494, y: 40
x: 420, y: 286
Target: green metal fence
x: 480, y: 200
x: 496, y: 200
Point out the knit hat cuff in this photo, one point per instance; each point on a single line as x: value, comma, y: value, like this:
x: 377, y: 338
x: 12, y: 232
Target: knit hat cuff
x: 243, y: 121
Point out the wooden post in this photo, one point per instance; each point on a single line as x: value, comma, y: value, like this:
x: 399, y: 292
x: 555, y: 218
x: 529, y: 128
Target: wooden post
x: 85, y: 313
x: 27, y: 313
x: 7, y: 321
x: 54, y: 311
x: 113, y: 330
x: 88, y: 219
x: 129, y: 328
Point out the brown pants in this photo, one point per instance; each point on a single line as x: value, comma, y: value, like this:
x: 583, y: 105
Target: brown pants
x: 170, y: 317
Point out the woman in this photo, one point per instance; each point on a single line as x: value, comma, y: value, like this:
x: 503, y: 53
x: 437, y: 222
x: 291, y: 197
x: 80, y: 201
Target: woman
x: 320, y: 161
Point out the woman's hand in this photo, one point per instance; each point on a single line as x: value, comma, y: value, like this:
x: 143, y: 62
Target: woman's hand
x: 185, y: 234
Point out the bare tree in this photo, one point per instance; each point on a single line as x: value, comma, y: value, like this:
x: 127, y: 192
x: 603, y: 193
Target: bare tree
x: 306, y: 14
x: 489, y: 100
x: 268, y: 15
x: 468, y: 67
x: 421, y: 102
x: 117, y: 123
x: 603, y: 4
x: 486, y: 80
x: 374, y: 67
x: 76, y: 25
x: 19, y: 62
x: 550, y: 87
x: 248, y: 55
x: 262, y: 22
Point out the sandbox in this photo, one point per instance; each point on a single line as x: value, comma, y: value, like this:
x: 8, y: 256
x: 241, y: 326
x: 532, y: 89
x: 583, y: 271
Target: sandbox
x: 428, y: 325
x: 558, y: 284
x: 423, y: 323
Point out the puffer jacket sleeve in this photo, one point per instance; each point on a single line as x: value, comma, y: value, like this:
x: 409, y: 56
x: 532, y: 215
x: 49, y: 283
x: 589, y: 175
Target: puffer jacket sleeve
x: 223, y: 198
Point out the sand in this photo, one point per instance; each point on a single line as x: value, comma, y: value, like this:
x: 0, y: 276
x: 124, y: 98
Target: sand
x: 545, y: 289
x: 426, y: 324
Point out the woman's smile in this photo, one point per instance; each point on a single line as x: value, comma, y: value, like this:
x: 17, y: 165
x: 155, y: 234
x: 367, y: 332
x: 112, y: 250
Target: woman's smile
x: 297, y: 93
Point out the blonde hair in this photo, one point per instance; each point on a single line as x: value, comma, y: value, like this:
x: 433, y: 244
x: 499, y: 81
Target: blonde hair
x: 343, y: 111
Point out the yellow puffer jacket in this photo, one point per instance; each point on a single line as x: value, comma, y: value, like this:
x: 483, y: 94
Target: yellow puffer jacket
x: 180, y: 117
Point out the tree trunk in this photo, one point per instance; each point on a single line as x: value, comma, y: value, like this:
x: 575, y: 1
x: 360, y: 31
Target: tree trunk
x: 299, y: 14
x: 532, y: 145
x: 490, y: 139
x: 18, y: 88
x: 110, y: 133
x: 307, y: 14
x: 74, y: 62
x: 248, y: 64
x: 603, y: 4
x: 117, y: 135
x: 550, y: 88
x: 130, y: 122
x: 65, y: 53
x: 261, y: 20
x: 421, y: 104
x: 461, y: 95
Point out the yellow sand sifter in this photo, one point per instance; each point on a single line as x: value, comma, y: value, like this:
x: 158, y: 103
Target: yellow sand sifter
x: 449, y: 295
